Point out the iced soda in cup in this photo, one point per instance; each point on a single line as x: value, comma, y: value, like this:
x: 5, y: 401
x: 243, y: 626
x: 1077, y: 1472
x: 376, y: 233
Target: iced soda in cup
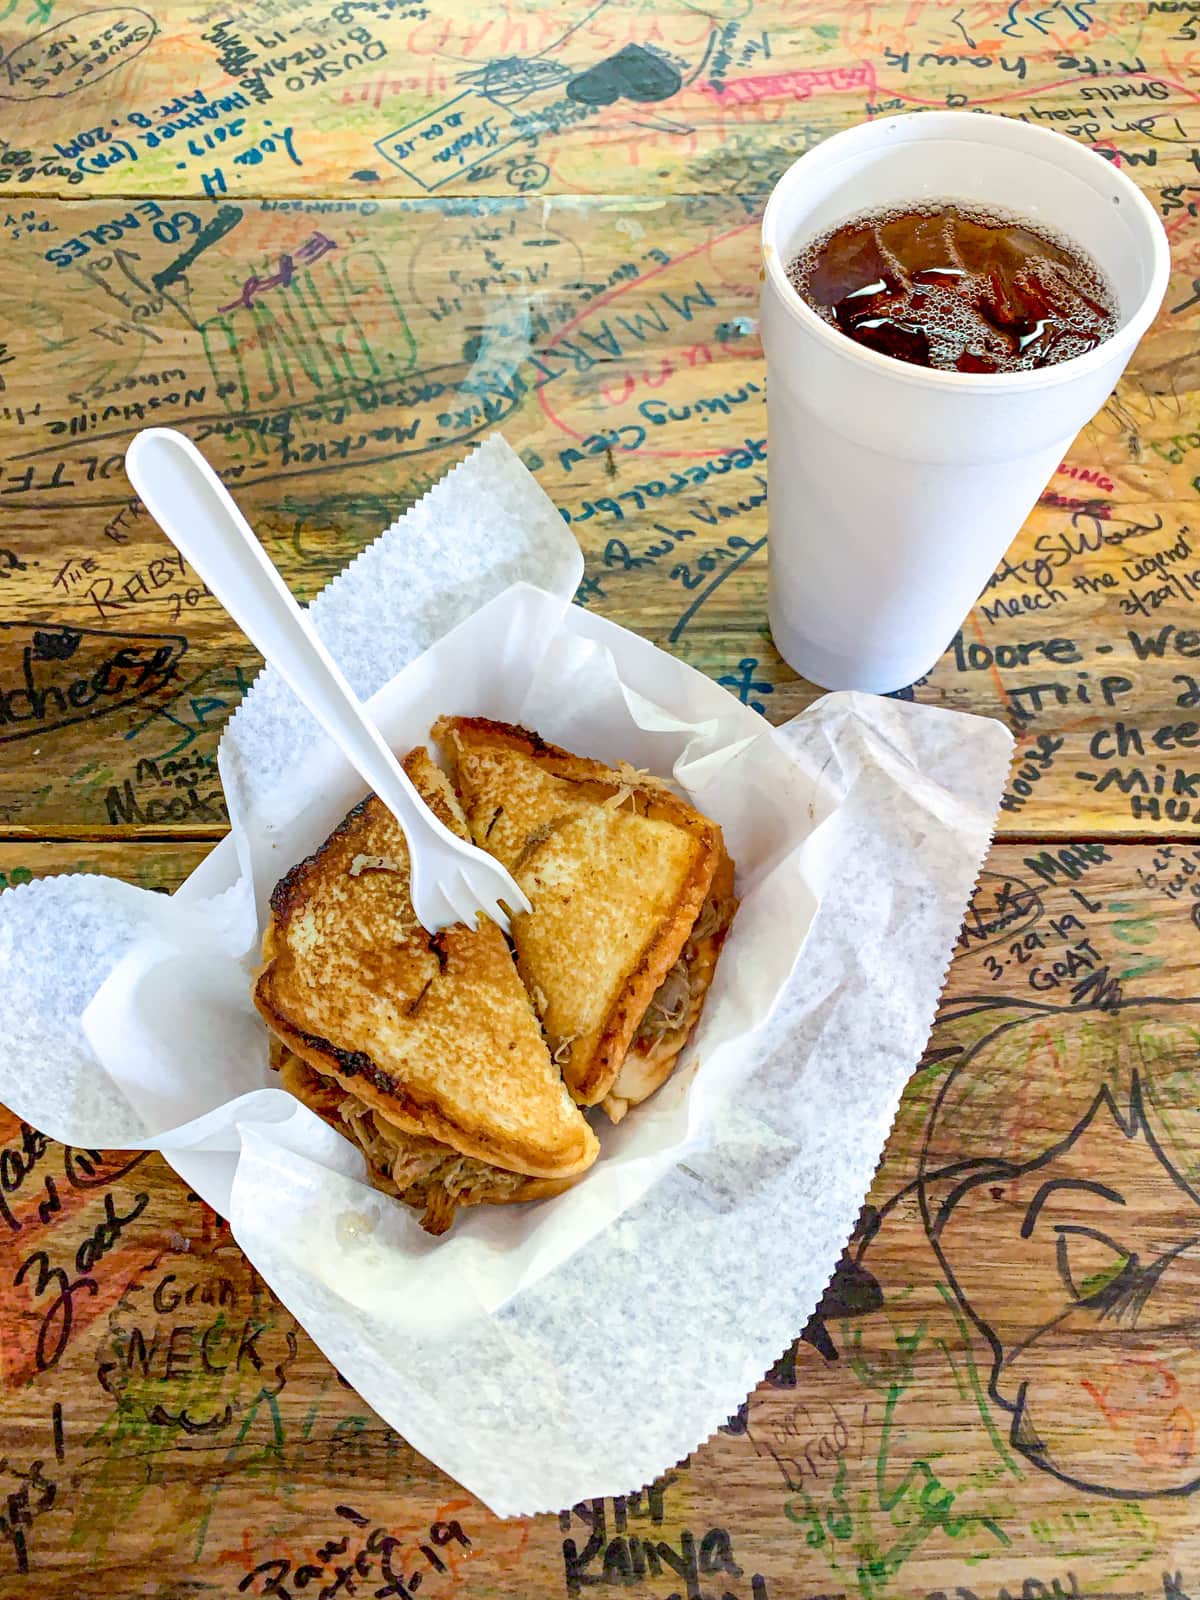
x: 947, y: 298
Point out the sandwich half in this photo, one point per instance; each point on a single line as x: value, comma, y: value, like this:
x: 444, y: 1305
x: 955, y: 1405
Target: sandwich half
x: 424, y: 1049
x: 631, y: 892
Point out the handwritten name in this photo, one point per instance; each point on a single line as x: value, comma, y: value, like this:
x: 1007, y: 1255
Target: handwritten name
x: 615, y: 1556
x: 638, y: 494
x: 44, y: 1277
x: 800, y: 84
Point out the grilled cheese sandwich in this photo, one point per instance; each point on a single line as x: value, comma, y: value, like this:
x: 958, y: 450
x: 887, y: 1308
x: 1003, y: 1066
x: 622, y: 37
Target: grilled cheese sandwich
x: 456, y: 1064
x: 430, y: 1038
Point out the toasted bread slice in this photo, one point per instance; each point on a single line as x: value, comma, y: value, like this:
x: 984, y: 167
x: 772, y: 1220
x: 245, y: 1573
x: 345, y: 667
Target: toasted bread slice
x: 677, y: 1003
x: 421, y: 1172
x: 434, y: 1035
x: 616, y: 868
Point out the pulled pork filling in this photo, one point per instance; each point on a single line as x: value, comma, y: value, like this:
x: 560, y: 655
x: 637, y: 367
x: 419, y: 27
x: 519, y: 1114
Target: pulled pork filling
x: 668, y: 1006
x: 671, y: 1002
x: 423, y: 1172
x: 413, y: 1162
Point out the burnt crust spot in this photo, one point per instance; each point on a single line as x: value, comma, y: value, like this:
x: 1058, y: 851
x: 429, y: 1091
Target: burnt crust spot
x: 289, y: 891
x: 354, y: 1063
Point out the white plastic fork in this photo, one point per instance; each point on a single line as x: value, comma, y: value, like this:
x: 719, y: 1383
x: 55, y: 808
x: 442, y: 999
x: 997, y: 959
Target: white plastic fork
x: 452, y: 881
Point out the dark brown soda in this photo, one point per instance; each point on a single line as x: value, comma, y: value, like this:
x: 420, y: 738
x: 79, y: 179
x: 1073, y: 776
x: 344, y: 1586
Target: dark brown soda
x: 950, y: 286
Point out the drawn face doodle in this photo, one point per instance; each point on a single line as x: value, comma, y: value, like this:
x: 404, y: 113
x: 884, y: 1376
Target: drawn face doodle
x: 1061, y: 1192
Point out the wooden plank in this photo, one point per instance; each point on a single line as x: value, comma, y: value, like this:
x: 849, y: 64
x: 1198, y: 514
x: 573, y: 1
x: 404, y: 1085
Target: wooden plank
x: 620, y: 357
x: 379, y: 100
x: 879, y: 1458
x: 149, y: 865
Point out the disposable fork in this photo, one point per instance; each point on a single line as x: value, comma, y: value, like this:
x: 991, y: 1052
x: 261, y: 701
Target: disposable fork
x: 452, y: 881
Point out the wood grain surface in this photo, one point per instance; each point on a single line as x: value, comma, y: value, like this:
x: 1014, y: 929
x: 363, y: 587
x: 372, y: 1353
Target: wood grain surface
x: 340, y: 243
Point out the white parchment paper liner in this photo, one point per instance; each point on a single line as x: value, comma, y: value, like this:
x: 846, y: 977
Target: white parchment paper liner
x: 539, y: 1354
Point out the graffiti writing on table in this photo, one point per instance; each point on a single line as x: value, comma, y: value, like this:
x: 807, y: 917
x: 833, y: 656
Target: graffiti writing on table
x: 399, y: 1566
x: 53, y: 674
x: 510, y: 103
x: 623, y: 1542
x: 63, y: 1243
x: 30, y: 1488
x: 74, y: 54
x: 193, y: 1344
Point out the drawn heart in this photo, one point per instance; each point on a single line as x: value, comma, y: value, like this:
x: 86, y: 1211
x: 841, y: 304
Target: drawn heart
x: 632, y: 74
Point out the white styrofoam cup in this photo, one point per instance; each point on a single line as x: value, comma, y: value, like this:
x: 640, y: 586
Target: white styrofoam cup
x: 894, y: 490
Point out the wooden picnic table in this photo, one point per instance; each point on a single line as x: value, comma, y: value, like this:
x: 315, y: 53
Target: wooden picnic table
x: 338, y: 243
